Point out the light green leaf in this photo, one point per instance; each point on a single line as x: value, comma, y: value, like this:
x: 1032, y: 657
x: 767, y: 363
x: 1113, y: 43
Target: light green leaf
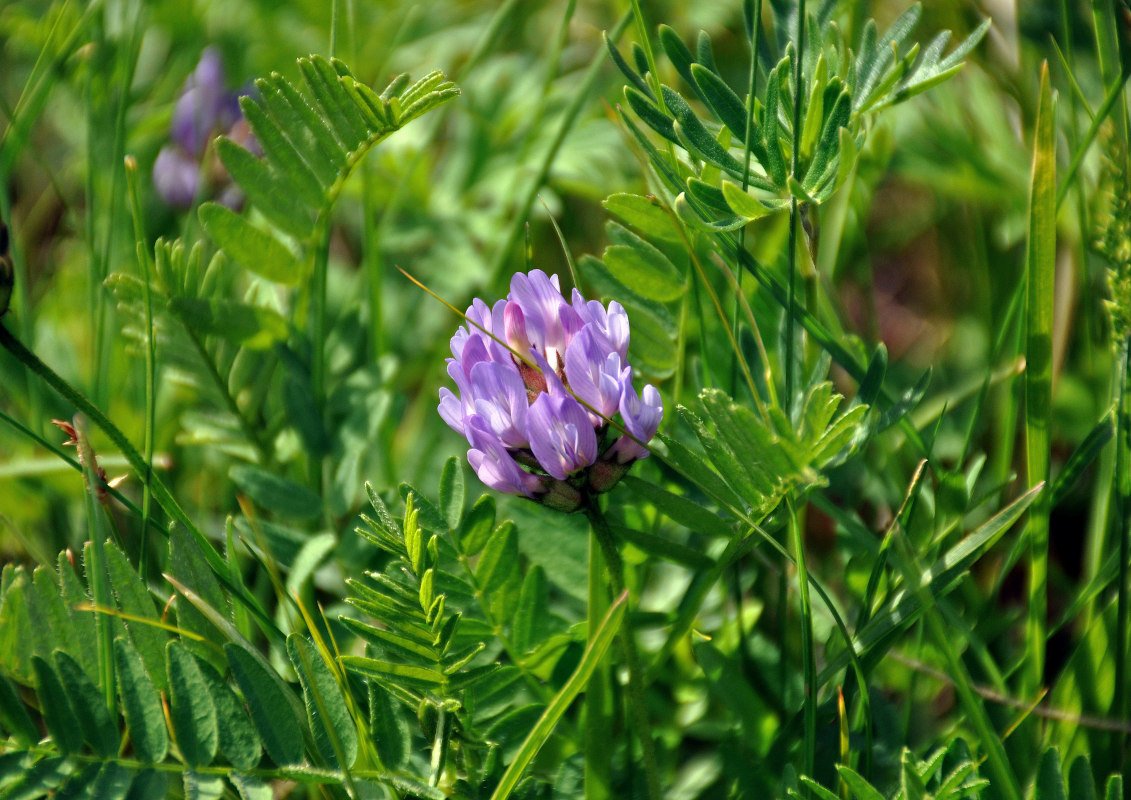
x: 252, y: 326
x: 134, y: 599
x: 250, y: 247
x: 452, y: 492
x: 276, y: 494
x: 646, y: 270
x: 646, y: 214
x: 742, y: 204
x: 201, y: 786
x: 251, y: 788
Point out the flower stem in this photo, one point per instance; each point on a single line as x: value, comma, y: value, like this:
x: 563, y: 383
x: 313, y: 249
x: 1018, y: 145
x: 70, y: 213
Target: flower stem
x: 598, y: 719
x: 1122, y: 506
x: 604, y: 536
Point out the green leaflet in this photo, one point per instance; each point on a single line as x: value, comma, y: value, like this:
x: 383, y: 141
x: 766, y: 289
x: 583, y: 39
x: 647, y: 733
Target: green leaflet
x: 335, y: 732
x: 272, y: 705
x: 134, y: 599
x: 89, y: 706
x: 312, y: 139
x: 252, y: 326
x: 191, y: 710
x: 276, y: 494
x: 390, y: 729
x: 646, y: 214
x: 62, y: 723
x: 452, y: 491
x: 187, y: 565
x: 141, y: 705
x: 253, y: 249
x: 237, y: 740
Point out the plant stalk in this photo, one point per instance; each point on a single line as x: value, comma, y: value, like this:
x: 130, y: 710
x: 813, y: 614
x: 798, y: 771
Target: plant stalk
x: 636, y: 701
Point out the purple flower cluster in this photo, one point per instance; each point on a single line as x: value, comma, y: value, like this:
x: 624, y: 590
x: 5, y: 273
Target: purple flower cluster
x: 537, y: 422
x: 204, y: 109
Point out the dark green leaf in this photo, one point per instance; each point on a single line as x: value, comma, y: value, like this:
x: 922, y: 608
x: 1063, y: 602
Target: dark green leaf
x: 1080, y: 783
x: 277, y: 147
x: 141, y: 705
x: 335, y: 732
x: 692, y: 135
x: 532, y: 613
x: 722, y: 100
x: 191, y: 710
x: 188, y: 566
x: 266, y: 189
x: 499, y: 562
x: 237, y: 740
x: 625, y: 69
x: 272, y: 705
x: 1084, y: 454
x: 650, y: 114
x: 1050, y: 781
x: 60, y: 718
x: 89, y: 705
x: 390, y: 728
x: 14, y: 717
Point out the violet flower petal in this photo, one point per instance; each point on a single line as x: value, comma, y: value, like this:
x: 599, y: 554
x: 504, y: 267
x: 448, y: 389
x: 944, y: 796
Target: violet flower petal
x: 494, y: 465
x: 594, y: 374
x: 500, y: 400
x: 561, y: 435
x: 176, y: 177
x: 641, y: 415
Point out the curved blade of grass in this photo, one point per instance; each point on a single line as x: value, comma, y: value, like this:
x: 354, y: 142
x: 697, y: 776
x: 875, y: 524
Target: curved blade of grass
x: 598, y: 644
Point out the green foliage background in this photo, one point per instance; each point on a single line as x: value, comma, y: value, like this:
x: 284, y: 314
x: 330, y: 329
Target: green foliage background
x: 880, y: 550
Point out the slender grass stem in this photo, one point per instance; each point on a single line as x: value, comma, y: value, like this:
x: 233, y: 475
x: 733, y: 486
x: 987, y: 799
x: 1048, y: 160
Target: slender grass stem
x: 145, y: 260
x: 318, y: 334
x: 808, y: 657
x: 1122, y: 505
x: 794, y: 215
x: 598, y: 718
x: 636, y: 702
x: 1040, y: 280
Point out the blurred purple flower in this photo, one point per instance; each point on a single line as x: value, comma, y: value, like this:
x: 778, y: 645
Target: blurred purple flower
x: 538, y: 425
x: 204, y: 110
